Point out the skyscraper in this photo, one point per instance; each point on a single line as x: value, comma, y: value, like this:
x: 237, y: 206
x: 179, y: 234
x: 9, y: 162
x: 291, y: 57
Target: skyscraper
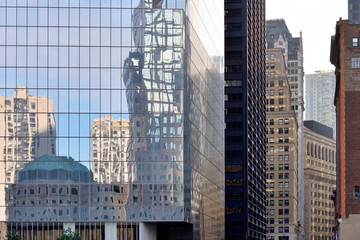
x: 319, y: 97
x: 156, y: 66
x: 345, y: 56
x: 282, y: 149
x: 279, y: 36
x: 245, y: 119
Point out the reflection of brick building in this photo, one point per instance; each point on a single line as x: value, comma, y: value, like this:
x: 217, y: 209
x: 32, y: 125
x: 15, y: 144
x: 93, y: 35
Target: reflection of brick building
x: 282, y: 149
x: 345, y: 56
x: 319, y: 180
x: 109, y: 138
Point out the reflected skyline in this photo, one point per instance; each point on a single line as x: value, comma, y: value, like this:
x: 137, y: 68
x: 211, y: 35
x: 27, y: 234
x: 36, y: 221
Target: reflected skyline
x: 133, y: 99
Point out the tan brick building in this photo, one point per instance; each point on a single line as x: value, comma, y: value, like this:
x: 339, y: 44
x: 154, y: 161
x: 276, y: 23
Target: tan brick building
x: 319, y: 181
x: 282, y: 152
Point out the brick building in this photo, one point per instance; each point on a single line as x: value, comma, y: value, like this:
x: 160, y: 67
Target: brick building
x: 345, y: 56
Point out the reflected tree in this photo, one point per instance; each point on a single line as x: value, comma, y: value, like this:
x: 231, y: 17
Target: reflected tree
x: 69, y: 235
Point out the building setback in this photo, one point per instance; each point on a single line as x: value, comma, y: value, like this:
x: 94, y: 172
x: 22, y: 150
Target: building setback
x: 345, y: 56
x: 245, y: 216
x: 319, y: 97
x: 279, y: 36
x: 282, y: 151
x: 319, y: 180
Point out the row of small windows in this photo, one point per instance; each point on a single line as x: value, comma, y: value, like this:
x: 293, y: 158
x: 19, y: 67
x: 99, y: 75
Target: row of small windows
x: 280, y: 203
x: 272, y: 56
x: 280, y: 185
x: 280, y: 212
x: 281, y: 220
x: 280, y: 175
x: 280, y: 131
x: 271, y: 194
x: 280, y: 149
x: 320, y: 152
x: 272, y: 83
x: 272, y: 92
x: 280, y: 122
x: 280, y: 229
x: 280, y: 140
x: 280, y: 167
x: 271, y: 158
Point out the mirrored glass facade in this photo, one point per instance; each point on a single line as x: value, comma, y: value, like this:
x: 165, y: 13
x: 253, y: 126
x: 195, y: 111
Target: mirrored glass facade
x: 111, y: 117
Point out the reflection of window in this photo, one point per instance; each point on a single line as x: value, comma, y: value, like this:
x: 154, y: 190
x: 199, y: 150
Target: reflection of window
x: 74, y: 191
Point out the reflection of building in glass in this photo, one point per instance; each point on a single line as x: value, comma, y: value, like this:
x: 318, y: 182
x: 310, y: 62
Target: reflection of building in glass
x: 159, y: 66
x: 108, y: 149
x: 29, y: 126
x: 319, y: 101
x: 153, y: 77
x: 60, y: 189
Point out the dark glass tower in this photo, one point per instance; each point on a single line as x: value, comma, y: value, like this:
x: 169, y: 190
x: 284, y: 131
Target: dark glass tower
x: 245, y: 119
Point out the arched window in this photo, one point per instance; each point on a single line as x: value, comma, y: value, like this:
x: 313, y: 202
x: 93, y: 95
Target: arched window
x: 315, y: 150
x: 333, y: 157
x: 308, y: 148
x: 322, y: 153
x: 312, y: 150
x: 319, y: 153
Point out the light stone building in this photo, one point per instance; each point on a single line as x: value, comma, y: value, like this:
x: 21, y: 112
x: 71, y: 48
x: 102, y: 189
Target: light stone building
x: 282, y: 152
x: 319, y: 182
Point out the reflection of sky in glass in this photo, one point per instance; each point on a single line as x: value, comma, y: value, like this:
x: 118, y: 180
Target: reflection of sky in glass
x: 95, y: 56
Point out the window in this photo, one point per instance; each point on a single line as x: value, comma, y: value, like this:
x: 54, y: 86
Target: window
x: 281, y: 83
x: 355, y: 42
x: 272, y: 56
x: 286, y: 166
x: 272, y: 221
x: 355, y: 62
x: 272, y: 212
x: 356, y: 192
x: 280, y: 121
x: 281, y: 101
x: 281, y: 92
x: 281, y: 229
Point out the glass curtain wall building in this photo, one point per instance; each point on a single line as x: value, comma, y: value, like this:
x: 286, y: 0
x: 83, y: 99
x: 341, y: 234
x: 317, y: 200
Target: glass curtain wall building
x: 111, y: 118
